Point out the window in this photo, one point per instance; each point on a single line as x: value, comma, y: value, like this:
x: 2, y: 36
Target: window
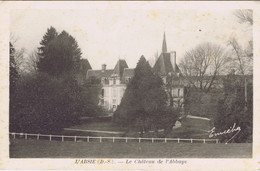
x: 106, y: 81
x: 127, y: 79
x: 114, y: 107
x: 114, y: 101
x: 114, y: 92
x: 102, y: 93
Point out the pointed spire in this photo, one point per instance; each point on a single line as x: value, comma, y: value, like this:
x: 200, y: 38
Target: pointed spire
x: 164, y: 46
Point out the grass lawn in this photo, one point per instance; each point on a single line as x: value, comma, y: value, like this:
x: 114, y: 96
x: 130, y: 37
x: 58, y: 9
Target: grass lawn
x: 30, y: 148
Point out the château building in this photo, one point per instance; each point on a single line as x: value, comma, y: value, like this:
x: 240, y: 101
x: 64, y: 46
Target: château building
x: 114, y: 81
x: 167, y: 68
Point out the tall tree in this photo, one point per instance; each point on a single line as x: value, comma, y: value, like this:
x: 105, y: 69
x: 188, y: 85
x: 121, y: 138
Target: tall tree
x: 43, y: 53
x: 62, y: 56
x: 144, y: 102
x: 13, y: 80
x: 13, y: 75
x: 131, y: 106
x: 50, y: 35
x: 242, y: 58
x: 203, y: 64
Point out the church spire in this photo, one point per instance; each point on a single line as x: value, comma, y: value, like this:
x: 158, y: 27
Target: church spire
x: 164, y: 46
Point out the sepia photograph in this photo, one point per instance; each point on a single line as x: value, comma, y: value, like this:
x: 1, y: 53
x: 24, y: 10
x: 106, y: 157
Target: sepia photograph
x: 140, y: 84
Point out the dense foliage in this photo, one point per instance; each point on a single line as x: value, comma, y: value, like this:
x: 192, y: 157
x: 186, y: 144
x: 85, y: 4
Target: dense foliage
x: 51, y: 98
x: 236, y: 107
x: 143, y: 106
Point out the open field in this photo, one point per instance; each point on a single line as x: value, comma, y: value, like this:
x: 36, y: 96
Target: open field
x: 20, y: 148
x: 191, y: 128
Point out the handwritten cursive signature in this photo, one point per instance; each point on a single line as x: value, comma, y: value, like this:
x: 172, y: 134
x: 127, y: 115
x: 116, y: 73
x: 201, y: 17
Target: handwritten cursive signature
x: 237, y: 129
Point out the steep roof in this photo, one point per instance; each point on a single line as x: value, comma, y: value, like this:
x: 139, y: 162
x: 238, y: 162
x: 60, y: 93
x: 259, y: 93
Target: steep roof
x: 99, y: 73
x: 121, y: 69
x: 120, y: 66
x: 163, y: 65
x: 164, y: 46
x: 128, y: 72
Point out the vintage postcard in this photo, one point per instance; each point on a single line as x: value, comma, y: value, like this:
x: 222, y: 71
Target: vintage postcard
x: 129, y: 85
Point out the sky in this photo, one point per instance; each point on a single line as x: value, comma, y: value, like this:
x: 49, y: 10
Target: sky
x: 106, y: 35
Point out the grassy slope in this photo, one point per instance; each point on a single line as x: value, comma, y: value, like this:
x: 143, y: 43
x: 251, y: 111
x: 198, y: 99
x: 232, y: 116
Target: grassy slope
x: 45, y: 149
x: 192, y: 128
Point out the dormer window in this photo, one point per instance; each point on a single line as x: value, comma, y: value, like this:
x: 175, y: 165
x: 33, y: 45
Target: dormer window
x: 106, y: 81
x: 127, y: 79
x: 103, y: 80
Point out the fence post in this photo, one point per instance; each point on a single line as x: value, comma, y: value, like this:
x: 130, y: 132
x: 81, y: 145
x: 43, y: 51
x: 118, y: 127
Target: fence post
x: 165, y: 140
x: 25, y: 136
x: 178, y: 140
x: 152, y: 140
x: 50, y: 137
x: 75, y: 139
x: 113, y: 139
x: 217, y: 141
x: 126, y: 139
x: 14, y: 135
x: 88, y: 138
x: 204, y: 141
x: 100, y: 140
x: 38, y: 136
x: 62, y: 138
x: 139, y: 140
x: 191, y: 140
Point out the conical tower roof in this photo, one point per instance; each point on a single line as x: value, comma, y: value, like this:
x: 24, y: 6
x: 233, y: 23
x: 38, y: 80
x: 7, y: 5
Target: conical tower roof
x: 164, y: 46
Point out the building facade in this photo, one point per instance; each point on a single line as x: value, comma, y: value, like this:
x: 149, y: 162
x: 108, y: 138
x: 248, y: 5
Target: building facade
x: 113, y: 82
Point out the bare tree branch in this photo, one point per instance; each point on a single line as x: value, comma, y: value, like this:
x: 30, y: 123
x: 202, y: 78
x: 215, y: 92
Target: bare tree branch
x: 201, y: 65
x: 244, y: 16
x: 31, y: 61
x: 242, y: 59
x: 13, y: 38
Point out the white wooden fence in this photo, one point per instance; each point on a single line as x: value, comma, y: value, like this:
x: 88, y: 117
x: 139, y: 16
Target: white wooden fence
x: 63, y: 138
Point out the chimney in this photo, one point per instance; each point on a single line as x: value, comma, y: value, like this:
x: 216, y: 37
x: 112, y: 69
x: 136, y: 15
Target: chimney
x: 173, y: 60
x: 103, y: 67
